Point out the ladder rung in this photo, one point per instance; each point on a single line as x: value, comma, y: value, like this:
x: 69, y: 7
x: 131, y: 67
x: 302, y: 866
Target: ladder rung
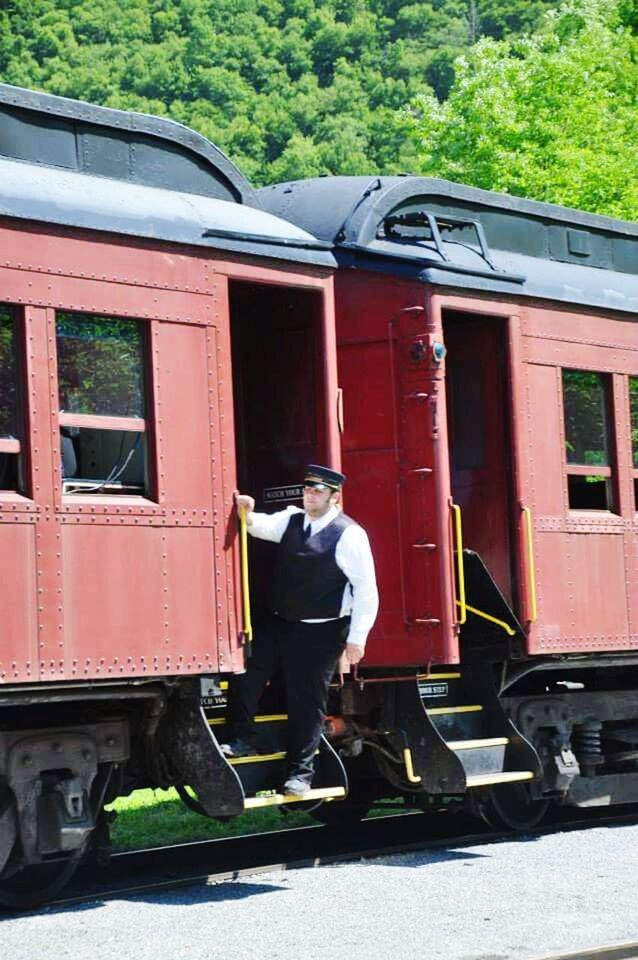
x: 275, y: 799
x: 438, y: 711
x: 489, y: 779
x: 477, y: 744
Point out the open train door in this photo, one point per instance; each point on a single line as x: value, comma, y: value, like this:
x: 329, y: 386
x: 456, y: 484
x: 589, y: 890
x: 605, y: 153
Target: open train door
x: 425, y: 504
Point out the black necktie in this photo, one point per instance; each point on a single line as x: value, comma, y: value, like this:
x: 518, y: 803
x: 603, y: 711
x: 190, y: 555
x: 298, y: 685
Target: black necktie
x: 306, y: 532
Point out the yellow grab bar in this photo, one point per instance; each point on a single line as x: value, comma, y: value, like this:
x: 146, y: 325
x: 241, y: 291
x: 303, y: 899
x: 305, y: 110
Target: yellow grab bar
x: 459, y: 562
x: 409, y: 769
x: 527, y: 513
x: 487, y: 616
x: 245, y: 590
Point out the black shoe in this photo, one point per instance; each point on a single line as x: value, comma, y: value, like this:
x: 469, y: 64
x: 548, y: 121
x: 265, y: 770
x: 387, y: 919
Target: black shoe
x: 239, y: 747
x: 296, y: 787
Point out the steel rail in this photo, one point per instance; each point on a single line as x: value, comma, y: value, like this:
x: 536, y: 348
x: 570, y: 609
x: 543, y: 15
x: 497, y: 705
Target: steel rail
x: 231, y: 858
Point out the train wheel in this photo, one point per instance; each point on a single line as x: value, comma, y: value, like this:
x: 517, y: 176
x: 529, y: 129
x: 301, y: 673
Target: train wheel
x: 511, y: 806
x: 28, y: 887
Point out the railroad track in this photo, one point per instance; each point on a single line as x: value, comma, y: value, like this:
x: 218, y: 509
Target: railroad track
x: 215, y: 861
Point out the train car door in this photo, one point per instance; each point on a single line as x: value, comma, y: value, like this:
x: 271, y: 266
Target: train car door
x: 480, y: 456
x: 284, y: 362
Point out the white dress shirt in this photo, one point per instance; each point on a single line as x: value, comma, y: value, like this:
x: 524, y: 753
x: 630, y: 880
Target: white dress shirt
x: 353, y: 557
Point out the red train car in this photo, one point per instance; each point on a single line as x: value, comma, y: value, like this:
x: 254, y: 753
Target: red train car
x: 488, y: 357
x: 165, y: 337
x: 146, y: 315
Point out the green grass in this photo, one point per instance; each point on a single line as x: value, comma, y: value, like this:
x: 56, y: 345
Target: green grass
x: 152, y: 818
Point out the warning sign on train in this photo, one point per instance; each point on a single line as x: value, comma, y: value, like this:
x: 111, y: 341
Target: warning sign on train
x: 281, y: 494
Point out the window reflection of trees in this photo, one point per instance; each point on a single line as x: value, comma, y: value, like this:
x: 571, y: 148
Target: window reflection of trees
x: 100, y: 369
x: 586, y: 435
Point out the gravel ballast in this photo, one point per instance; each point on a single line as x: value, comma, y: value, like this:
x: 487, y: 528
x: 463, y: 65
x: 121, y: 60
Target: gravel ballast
x: 521, y: 898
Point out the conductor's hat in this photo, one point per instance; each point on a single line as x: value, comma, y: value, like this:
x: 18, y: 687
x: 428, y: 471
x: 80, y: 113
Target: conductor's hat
x: 323, y: 478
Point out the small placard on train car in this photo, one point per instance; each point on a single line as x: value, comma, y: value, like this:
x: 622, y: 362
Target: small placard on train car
x: 433, y: 689
x: 280, y: 494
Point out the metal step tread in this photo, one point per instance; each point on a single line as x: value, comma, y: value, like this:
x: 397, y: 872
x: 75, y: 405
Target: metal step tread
x: 276, y: 799
x: 490, y: 779
x: 438, y: 676
x: 270, y: 718
x: 439, y: 711
x: 257, y: 758
x: 477, y: 744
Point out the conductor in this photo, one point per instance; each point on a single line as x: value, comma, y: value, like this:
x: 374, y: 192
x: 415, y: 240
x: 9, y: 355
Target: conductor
x: 323, y: 600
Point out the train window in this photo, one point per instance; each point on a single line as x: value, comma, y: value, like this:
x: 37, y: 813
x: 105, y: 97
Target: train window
x: 10, y: 446
x: 103, y: 437
x: 633, y: 406
x: 588, y: 439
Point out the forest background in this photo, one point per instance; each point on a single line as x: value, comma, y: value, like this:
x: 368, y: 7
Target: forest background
x: 536, y: 98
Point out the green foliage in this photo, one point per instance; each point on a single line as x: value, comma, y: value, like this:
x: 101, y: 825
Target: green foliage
x: 550, y: 116
x: 288, y: 88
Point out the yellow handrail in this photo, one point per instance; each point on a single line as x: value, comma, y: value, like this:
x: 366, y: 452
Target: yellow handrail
x: 245, y: 590
x: 459, y: 562
x: 409, y: 768
x: 527, y: 513
x: 488, y: 616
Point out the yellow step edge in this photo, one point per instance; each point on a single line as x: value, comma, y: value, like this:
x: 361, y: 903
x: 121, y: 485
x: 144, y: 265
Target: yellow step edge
x: 257, y: 758
x: 275, y: 799
x: 218, y: 721
x: 489, y: 779
x: 438, y: 676
x: 437, y: 711
x: 477, y: 744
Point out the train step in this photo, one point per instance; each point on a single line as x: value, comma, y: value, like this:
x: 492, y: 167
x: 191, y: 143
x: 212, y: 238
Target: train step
x: 491, y: 779
x: 274, y: 799
x: 262, y: 773
x: 480, y: 757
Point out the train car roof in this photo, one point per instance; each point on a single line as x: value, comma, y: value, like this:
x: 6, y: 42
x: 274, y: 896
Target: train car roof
x: 457, y: 236
x: 73, y: 164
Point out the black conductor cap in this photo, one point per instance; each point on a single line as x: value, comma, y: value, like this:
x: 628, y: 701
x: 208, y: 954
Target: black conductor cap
x: 323, y: 478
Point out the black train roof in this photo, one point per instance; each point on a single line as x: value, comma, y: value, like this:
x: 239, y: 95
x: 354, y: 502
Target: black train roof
x: 67, y: 162
x: 453, y: 235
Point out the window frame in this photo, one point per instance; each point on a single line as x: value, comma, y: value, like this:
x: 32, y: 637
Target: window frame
x: 608, y: 471
x: 16, y: 445
x: 633, y: 451
x: 96, y: 421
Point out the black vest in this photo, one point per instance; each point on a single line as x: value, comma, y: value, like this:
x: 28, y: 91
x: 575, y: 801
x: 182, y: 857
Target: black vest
x: 307, y: 583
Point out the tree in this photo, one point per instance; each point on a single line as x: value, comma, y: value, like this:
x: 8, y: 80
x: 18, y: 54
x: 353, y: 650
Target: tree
x: 550, y: 116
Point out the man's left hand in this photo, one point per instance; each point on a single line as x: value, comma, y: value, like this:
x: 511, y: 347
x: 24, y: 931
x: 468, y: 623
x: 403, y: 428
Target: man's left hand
x: 353, y: 653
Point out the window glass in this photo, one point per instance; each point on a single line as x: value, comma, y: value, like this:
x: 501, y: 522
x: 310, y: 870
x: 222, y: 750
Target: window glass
x: 100, y: 365
x: 633, y: 403
x: 585, y: 402
x: 8, y: 386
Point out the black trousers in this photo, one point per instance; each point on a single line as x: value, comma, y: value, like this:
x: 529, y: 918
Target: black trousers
x: 308, y: 653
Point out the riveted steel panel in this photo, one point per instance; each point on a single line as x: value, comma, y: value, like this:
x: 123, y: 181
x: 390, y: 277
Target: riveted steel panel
x: 195, y: 618
x: 124, y: 261
x: 115, y: 590
x: 18, y: 613
x: 90, y: 295
x: 183, y: 416
x: 584, y: 560
x: 542, y: 419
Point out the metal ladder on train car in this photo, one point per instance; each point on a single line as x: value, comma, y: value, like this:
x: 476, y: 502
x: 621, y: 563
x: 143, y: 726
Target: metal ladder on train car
x: 469, y: 718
